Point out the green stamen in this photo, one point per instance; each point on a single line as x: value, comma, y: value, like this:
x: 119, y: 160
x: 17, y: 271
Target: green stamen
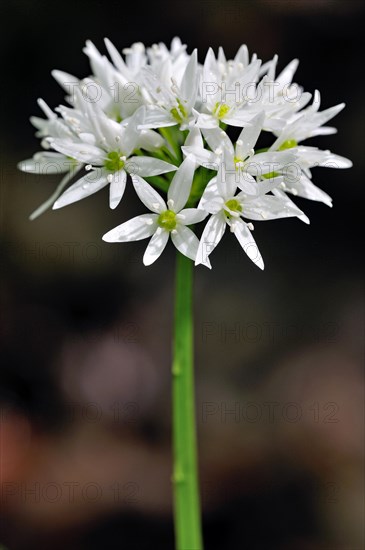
x: 179, y: 113
x: 72, y: 161
x: 288, y: 144
x: 114, y: 162
x: 220, y: 110
x: 234, y: 206
x: 167, y: 220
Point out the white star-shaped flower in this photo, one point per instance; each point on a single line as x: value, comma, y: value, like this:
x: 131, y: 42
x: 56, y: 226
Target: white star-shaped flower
x: 223, y: 96
x: 50, y: 162
x: 240, y: 158
x: 107, y: 152
x: 173, y: 102
x: 296, y: 179
x: 307, y: 123
x: 167, y: 219
x: 227, y: 208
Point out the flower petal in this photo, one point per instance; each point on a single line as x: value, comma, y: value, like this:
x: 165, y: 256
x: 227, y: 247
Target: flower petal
x: 135, y: 229
x: 189, y: 82
x: 66, y: 80
x: 84, y: 152
x: 150, y: 141
x: 117, y: 188
x: 188, y: 216
x: 336, y: 161
x: 180, y: 185
x: 157, y: 117
x: 211, y: 200
x: 46, y: 163
x: 206, y: 121
x: 132, y: 132
x: 212, y: 234
x: 271, y: 161
x: 88, y: 185
x: 246, y: 240
x: 249, y: 136
x: 148, y: 166
x: 286, y: 75
x: 185, y: 241
x: 270, y: 207
x: 218, y: 139
x: 155, y: 247
x: 194, y: 138
x: 115, y: 56
x: 202, y: 156
x: 303, y: 187
x: 227, y: 177
x: 148, y: 195
x: 247, y: 183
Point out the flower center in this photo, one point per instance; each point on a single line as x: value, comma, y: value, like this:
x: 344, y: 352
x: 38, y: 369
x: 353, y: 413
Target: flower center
x: 167, y: 220
x: 179, y: 113
x: 239, y: 163
x: 114, y: 162
x: 220, y: 110
x: 288, y: 144
x: 234, y: 206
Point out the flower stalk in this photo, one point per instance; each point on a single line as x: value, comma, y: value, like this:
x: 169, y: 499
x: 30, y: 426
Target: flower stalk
x: 187, y: 515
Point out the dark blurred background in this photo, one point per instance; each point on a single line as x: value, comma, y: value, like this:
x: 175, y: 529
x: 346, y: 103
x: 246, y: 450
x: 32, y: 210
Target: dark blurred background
x: 85, y: 328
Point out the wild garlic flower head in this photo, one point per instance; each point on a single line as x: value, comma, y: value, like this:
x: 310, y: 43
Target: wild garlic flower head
x: 158, y: 120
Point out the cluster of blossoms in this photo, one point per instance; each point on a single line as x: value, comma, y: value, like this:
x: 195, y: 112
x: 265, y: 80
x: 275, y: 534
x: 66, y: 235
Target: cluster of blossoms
x: 163, y: 119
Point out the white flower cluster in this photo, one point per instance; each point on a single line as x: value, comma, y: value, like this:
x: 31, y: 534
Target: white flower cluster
x: 159, y: 116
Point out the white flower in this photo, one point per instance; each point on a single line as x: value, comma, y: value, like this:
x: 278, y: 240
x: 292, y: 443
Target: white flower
x: 109, y: 148
x: 159, y: 54
x: 277, y: 96
x: 167, y: 219
x: 297, y: 177
x: 223, y: 96
x: 116, y: 121
x: 227, y: 208
x: 50, y: 126
x: 119, y: 93
x: 194, y: 146
x: 307, y: 123
x: 45, y: 163
x: 173, y: 103
x: 239, y: 158
x: 135, y: 59
x: 50, y: 162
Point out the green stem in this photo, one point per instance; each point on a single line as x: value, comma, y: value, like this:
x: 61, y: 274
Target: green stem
x: 168, y: 134
x: 187, y: 513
